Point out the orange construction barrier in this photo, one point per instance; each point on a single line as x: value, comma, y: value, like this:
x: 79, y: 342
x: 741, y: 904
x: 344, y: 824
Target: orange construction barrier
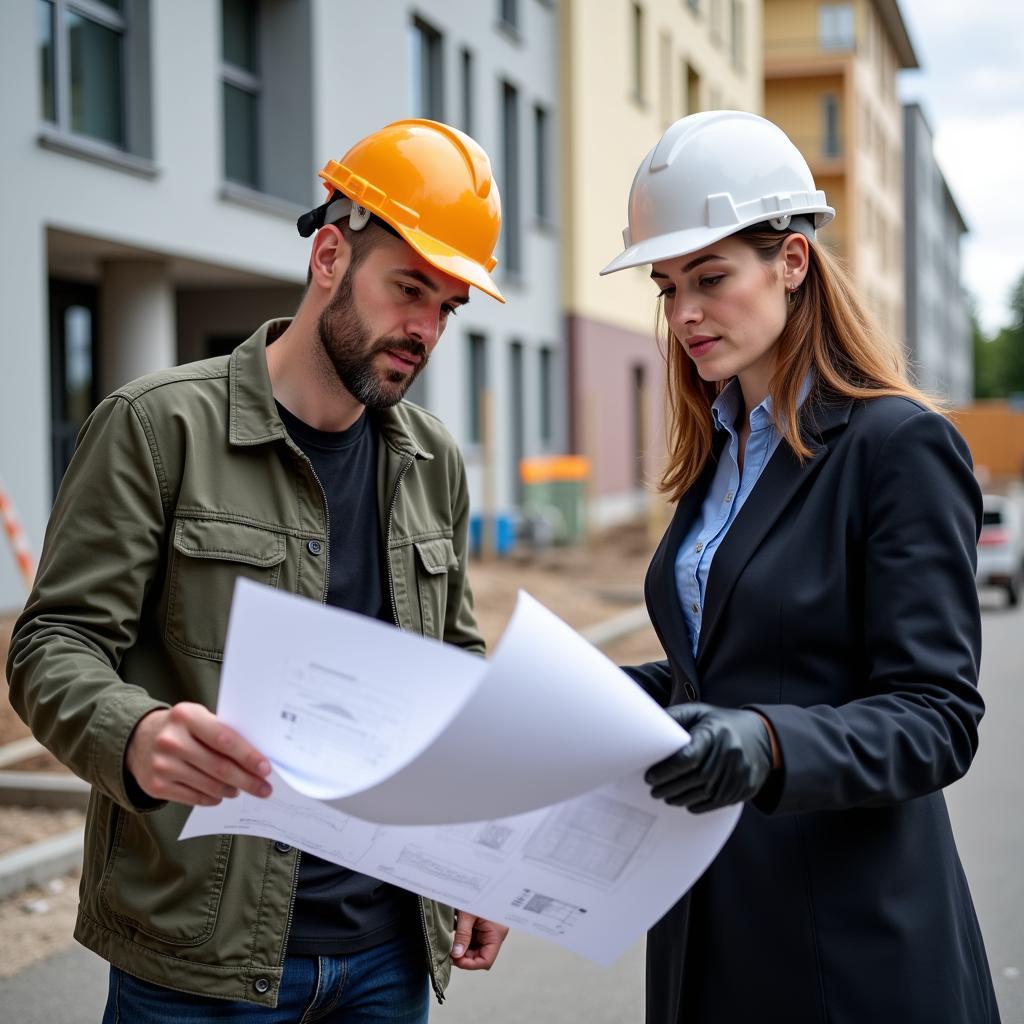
x: 22, y: 555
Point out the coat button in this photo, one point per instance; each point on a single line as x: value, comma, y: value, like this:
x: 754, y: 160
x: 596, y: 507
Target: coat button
x: 315, y: 547
x: 690, y: 690
x: 261, y: 985
x: 282, y: 847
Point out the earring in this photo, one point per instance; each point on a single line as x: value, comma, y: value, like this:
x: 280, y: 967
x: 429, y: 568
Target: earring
x: 791, y: 293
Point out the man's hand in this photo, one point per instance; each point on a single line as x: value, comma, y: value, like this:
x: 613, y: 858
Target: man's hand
x: 477, y: 942
x: 186, y: 754
x: 727, y: 761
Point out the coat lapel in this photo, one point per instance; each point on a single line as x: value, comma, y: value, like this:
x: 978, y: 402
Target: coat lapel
x: 660, y: 588
x: 782, y: 478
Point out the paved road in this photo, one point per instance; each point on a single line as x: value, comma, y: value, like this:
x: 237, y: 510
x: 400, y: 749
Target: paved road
x: 538, y: 983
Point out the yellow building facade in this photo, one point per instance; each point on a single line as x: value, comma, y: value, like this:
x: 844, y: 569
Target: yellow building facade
x: 830, y: 83
x: 629, y: 68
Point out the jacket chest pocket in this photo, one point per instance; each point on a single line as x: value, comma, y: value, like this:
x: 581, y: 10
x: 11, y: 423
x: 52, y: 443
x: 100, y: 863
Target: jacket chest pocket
x: 208, y: 556
x: 434, y: 559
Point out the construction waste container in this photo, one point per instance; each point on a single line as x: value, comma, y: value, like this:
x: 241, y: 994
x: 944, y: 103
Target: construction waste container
x: 554, y: 498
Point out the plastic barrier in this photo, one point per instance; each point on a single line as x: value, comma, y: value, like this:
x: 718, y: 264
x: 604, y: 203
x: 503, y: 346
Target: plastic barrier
x: 16, y: 536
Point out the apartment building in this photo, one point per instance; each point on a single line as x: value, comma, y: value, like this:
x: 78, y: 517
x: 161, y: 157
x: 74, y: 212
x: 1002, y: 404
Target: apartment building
x: 629, y: 68
x: 830, y: 83
x: 157, y: 154
x: 937, y: 314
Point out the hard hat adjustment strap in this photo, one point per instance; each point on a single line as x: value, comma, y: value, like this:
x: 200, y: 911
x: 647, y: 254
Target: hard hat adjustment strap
x: 335, y: 209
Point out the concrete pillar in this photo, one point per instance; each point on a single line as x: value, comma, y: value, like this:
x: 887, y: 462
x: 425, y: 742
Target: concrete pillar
x: 137, y: 321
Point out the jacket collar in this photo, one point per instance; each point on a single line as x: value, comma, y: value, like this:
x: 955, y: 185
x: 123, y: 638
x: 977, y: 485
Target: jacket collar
x: 253, y: 413
x: 822, y: 417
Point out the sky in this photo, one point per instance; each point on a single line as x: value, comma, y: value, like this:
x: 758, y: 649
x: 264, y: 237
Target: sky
x: 971, y: 89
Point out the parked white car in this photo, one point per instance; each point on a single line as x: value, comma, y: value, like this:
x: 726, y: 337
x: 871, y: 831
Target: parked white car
x: 1001, y: 546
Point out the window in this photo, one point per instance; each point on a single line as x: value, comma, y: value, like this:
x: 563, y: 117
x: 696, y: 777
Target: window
x: 74, y: 388
x: 516, y: 417
x: 831, y: 145
x: 665, y: 79
x: 691, y: 88
x: 241, y: 84
x: 736, y: 18
x: 542, y: 164
x: 546, y: 434
x: 638, y: 52
x: 716, y: 21
x: 511, y: 228
x: 93, y: 71
x: 508, y: 14
x: 426, y: 71
x: 477, y: 386
x: 835, y: 26
x: 467, y: 91
x: 266, y: 94
x: 639, y: 403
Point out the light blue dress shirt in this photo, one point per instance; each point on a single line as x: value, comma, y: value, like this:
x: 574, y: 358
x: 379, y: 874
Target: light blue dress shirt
x: 728, y: 491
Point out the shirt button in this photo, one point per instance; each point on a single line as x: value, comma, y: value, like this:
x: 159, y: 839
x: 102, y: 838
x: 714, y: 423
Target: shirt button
x: 695, y: 608
x: 699, y: 547
x: 690, y: 690
x: 261, y: 985
x: 315, y: 547
x: 282, y: 848
x: 728, y: 496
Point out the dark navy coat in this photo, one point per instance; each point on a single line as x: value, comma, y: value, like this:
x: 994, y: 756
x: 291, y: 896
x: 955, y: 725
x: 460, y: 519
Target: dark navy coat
x: 842, y: 606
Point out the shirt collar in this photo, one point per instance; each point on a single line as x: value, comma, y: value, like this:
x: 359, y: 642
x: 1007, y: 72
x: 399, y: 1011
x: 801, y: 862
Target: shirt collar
x: 726, y: 406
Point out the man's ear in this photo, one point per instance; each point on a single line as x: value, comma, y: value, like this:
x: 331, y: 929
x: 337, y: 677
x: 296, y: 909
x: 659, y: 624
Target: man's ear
x: 330, y: 258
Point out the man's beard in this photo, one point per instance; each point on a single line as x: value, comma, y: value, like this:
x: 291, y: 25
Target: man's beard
x: 345, y: 339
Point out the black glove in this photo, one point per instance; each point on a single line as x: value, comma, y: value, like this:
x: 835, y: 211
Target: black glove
x: 727, y: 760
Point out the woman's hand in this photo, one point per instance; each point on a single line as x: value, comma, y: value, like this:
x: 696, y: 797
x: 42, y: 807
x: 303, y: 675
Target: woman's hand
x: 728, y: 759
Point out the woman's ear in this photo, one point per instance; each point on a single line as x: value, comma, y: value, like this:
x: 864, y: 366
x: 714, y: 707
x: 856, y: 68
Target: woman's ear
x: 330, y: 257
x: 795, y: 256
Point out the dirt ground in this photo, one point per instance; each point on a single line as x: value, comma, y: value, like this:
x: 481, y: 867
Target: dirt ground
x: 583, y: 585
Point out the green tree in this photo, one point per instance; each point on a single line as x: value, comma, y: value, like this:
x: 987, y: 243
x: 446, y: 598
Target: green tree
x: 999, y: 360
x: 987, y: 361
x: 1012, y: 340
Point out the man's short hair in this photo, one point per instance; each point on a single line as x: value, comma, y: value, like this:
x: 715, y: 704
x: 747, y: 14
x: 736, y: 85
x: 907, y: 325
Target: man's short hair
x: 361, y: 242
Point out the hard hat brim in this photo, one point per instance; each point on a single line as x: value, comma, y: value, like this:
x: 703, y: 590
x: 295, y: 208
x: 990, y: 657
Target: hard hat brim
x: 682, y: 243
x: 450, y: 261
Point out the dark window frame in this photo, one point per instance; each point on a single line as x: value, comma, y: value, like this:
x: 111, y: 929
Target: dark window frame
x: 250, y: 82
x: 60, y: 84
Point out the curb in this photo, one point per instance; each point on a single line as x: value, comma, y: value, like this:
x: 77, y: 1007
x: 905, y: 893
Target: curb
x: 43, y: 789
x: 19, y: 750
x: 602, y: 634
x: 38, y: 863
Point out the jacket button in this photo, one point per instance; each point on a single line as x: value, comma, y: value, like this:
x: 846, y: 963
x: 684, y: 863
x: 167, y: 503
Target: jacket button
x: 315, y: 547
x: 282, y: 847
x: 261, y: 985
x: 690, y: 690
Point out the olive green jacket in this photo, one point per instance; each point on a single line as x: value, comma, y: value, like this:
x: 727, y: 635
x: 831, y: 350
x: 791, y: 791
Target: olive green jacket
x: 182, y: 482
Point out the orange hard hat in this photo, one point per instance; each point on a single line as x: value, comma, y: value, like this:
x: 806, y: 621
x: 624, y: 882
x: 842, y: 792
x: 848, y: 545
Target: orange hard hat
x: 433, y: 184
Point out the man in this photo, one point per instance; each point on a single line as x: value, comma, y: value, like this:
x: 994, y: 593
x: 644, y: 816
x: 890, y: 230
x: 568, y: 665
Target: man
x: 292, y: 462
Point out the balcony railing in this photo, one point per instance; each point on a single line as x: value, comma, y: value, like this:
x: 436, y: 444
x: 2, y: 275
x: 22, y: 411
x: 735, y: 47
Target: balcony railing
x: 810, y: 46
x: 816, y: 148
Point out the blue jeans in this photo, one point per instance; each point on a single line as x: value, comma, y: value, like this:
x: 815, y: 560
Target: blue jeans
x: 387, y: 984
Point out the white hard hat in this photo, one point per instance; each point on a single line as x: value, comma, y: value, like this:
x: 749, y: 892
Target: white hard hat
x: 711, y: 175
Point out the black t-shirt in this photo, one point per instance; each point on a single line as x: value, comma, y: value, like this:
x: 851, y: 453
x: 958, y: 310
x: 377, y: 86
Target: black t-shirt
x: 336, y: 910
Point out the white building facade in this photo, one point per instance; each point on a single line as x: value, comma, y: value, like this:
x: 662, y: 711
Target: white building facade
x: 156, y: 156
x: 937, y: 314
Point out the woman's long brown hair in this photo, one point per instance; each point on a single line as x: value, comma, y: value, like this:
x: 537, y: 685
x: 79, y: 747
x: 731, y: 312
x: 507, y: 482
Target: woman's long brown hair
x: 827, y: 332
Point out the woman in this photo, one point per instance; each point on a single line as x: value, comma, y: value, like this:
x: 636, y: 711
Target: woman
x: 815, y: 597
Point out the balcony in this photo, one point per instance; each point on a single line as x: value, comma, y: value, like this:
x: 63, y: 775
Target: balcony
x: 825, y: 154
x: 808, y: 55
